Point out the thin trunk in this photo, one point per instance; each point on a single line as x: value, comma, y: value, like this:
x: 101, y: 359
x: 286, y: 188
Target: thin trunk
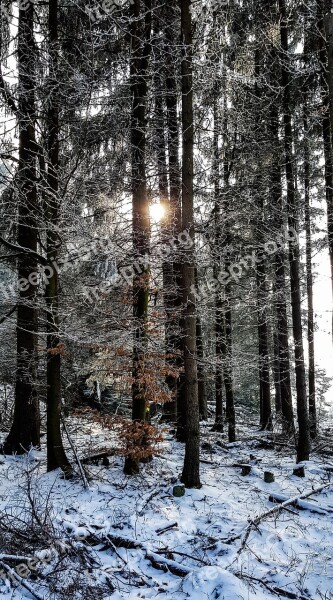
x: 228, y: 377
x: 276, y: 373
x: 202, y: 395
x: 264, y: 376
x: 220, y: 350
x: 25, y: 430
x: 261, y: 277
x: 326, y: 62
x: 220, y: 347
x: 230, y: 416
x: 171, y: 8
x: 282, y: 337
x: 309, y: 283
x: 170, y: 408
x: 56, y: 457
x: 140, y: 52
x: 304, y: 444
x: 190, y: 475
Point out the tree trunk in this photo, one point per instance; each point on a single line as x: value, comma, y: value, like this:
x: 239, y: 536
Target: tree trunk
x: 276, y: 372
x: 264, y: 377
x: 303, y: 445
x: 309, y: 283
x: 56, y: 457
x: 220, y: 348
x: 202, y: 395
x: 325, y: 28
x: 171, y: 14
x: 170, y: 408
x: 25, y: 430
x: 228, y: 377
x: 282, y: 338
x: 190, y: 475
x: 140, y: 52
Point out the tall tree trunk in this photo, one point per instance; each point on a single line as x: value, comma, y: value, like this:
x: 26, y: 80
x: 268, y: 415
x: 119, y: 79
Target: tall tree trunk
x: 25, y: 430
x: 276, y: 371
x: 281, y: 342
x: 170, y: 408
x: 220, y: 347
x: 228, y: 375
x: 282, y: 336
x: 261, y: 277
x: 303, y: 445
x: 228, y: 369
x: 309, y: 282
x: 56, y: 457
x: 202, y: 395
x: 172, y: 21
x: 140, y: 52
x: 264, y: 376
x: 190, y: 475
x: 324, y: 26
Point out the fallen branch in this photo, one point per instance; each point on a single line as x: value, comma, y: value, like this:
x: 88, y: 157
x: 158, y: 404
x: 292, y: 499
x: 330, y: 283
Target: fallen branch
x: 15, y: 557
x: 167, y: 551
x: 164, y: 564
x: 159, y: 562
x: 280, y: 498
x: 164, y: 529
x: 14, y: 576
x: 273, y: 589
x: 244, y: 534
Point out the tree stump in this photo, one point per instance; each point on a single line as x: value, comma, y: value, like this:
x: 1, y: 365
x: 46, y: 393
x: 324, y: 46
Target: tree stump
x: 299, y: 471
x: 269, y: 477
x: 178, y: 491
x: 246, y: 470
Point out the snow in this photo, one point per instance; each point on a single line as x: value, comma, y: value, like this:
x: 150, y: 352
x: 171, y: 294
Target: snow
x: 291, y: 551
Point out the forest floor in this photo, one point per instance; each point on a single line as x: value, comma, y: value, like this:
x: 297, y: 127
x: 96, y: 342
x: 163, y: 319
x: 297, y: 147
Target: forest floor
x: 106, y: 541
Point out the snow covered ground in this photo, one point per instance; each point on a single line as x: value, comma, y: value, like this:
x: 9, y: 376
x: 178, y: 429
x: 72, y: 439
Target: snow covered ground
x: 81, y: 534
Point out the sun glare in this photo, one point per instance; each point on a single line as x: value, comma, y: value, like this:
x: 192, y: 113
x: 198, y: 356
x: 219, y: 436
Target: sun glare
x: 156, y: 212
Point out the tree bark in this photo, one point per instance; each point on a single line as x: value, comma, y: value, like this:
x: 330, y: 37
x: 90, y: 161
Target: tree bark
x: 56, y: 457
x: 172, y: 96
x: 25, y: 430
x: 325, y: 29
x: 202, y: 395
x: 264, y: 375
x: 282, y: 337
x: 303, y: 444
x: 309, y: 283
x: 228, y: 375
x: 140, y: 52
x: 190, y: 475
